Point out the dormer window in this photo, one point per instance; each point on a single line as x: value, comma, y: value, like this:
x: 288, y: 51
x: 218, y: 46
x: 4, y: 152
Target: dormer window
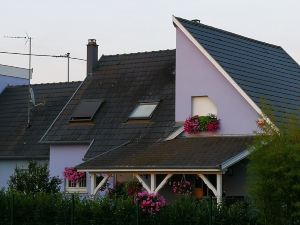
x: 203, y: 106
x: 144, y: 110
x: 86, y: 110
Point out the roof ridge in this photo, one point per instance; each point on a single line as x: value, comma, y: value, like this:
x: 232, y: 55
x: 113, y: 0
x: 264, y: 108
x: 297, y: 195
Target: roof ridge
x: 137, y: 53
x: 43, y: 84
x: 230, y: 33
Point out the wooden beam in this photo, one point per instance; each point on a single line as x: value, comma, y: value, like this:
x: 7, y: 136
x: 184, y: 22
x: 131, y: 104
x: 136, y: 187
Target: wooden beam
x: 140, y: 179
x: 152, y: 182
x: 103, y: 181
x: 208, y: 183
x: 93, y: 179
x: 163, y: 182
x: 219, y: 188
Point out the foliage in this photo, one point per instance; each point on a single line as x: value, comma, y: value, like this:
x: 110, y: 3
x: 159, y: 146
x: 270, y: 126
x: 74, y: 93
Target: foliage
x: 133, y: 187
x: 198, y: 124
x: 119, y: 190
x: 274, y: 174
x: 182, y: 187
x: 150, y: 203
x: 33, y: 180
x: 60, y: 209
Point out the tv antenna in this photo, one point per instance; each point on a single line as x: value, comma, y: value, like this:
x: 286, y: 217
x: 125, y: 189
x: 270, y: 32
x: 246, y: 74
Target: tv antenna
x: 28, y: 39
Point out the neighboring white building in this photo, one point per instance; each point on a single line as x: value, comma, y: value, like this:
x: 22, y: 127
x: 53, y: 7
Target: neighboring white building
x: 11, y: 75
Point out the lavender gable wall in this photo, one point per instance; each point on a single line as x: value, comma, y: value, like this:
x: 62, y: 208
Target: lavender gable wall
x: 62, y: 156
x: 197, y: 76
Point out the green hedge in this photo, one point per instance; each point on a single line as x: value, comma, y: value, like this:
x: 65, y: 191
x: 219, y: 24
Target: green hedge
x: 59, y: 209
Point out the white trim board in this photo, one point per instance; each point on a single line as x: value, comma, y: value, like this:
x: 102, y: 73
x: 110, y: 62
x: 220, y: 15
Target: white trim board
x: 158, y: 171
x: 235, y: 159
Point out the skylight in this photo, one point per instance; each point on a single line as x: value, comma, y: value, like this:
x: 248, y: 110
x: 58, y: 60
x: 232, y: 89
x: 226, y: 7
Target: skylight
x: 143, y: 110
x: 86, y: 110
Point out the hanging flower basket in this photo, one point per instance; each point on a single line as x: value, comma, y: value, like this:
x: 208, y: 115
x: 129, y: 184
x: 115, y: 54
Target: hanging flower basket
x: 150, y: 203
x: 72, y: 175
x: 183, y: 187
x: 197, y: 124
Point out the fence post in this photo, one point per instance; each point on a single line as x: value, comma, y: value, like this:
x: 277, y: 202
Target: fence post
x: 72, y: 210
x: 210, y: 210
x: 137, y: 213
x: 12, y: 209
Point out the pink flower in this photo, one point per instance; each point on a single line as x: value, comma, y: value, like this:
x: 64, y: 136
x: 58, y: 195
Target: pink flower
x: 150, y: 203
x: 191, y: 125
x: 72, y: 175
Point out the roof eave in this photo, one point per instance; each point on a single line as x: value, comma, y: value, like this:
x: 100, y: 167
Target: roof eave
x: 152, y: 170
x: 23, y: 157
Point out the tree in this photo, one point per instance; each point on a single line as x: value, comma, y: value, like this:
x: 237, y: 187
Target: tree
x: 274, y: 174
x: 34, y: 179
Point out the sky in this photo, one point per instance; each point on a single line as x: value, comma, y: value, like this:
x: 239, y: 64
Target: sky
x: 119, y: 26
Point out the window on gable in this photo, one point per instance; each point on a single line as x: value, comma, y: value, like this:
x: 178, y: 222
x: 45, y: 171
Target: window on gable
x: 202, y: 106
x: 144, y: 110
x: 86, y: 110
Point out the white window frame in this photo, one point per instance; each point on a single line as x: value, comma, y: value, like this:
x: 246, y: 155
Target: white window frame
x: 208, y: 103
x: 131, y: 117
x: 77, y: 188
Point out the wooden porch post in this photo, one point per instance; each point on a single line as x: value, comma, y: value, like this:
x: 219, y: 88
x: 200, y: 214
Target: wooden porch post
x: 93, y: 182
x: 219, y: 188
x: 152, y: 182
x: 216, y: 190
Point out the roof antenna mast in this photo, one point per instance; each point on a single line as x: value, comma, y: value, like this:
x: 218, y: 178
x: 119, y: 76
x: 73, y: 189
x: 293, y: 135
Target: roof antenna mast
x: 28, y: 39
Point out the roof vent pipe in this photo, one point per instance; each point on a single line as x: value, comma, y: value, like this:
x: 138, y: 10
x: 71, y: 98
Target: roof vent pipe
x: 196, y: 21
x: 92, y: 56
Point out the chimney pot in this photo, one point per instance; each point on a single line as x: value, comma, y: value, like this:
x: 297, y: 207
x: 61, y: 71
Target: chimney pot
x: 92, y: 56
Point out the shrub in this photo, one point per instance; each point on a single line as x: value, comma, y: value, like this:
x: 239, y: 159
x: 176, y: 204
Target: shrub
x: 33, y: 180
x: 59, y: 209
x: 274, y: 175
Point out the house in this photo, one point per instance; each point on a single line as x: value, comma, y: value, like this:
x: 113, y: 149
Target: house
x: 19, y: 142
x: 11, y: 75
x: 126, y: 118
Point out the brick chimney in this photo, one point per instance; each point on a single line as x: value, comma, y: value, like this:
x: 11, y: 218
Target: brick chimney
x: 92, y: 56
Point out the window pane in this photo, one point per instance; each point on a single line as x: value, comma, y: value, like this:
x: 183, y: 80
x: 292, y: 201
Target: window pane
x: 143, y: 110
x: 202, y: 106
x: 86, y: 109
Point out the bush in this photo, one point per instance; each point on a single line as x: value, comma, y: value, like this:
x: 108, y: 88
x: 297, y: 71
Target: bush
x: 59, y: 209
x: 33, y: 180
x: 274, y: 175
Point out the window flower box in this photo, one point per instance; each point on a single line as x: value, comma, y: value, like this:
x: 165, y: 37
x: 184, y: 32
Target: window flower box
x: 199, y: 124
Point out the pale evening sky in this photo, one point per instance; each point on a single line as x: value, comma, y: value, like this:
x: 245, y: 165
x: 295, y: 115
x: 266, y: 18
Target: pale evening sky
x: 61, y: 26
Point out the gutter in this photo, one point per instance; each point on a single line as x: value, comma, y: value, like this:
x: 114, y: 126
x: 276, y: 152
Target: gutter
x: 24, y: 157
x: 67, y: 142
x: 207, y: 171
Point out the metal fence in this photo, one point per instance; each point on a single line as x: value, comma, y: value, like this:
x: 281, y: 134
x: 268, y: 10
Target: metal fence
x: 57, y: 209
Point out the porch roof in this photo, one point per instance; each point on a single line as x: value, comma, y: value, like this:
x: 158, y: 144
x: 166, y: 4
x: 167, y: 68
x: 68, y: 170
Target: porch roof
x: 184, y: 154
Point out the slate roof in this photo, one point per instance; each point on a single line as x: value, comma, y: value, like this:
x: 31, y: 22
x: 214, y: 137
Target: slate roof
x: 18, y: 141
x: 183, y: 153
x: 262, y: 70
x: 122, y: 81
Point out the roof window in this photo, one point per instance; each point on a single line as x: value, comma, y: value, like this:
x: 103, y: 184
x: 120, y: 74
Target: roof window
x: 144, y: 110
x: 86, y: 110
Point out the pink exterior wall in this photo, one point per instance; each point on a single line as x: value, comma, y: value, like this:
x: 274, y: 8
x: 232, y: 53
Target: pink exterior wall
x: 196, y: 76
x: 62, y: 156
